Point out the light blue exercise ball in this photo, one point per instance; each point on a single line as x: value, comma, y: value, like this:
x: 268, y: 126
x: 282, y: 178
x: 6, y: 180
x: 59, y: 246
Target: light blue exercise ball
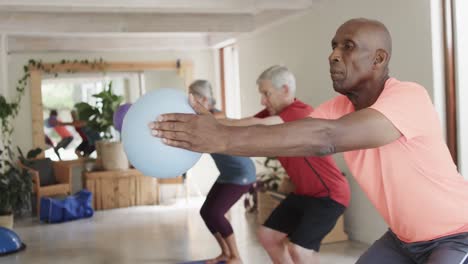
x: 147, y: 153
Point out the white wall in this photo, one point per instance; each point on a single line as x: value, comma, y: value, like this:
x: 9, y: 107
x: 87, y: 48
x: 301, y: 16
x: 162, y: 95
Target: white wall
x: 303, y: 44
x: 203, y: 68
x: 438, y: 65
x: 3, y: 66
x: 163, y: 79
x: 3, y: 81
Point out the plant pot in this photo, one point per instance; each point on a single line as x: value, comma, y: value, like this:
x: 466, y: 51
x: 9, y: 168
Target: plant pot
x: 113, y: 156
x: 6, y: 221
x: 98, y: 148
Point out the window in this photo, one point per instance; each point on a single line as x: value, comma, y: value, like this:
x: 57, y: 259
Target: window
x: 460, y: 20
x: 62, y: 94
x: 230, y: 90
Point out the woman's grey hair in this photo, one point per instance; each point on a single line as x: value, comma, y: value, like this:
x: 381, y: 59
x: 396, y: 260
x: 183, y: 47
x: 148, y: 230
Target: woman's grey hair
x: 279, y: 75
x: 203, y: 88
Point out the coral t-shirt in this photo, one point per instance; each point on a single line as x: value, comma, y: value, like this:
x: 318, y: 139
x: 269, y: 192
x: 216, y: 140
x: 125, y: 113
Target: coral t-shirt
x: 61, y: 130
x: 413, y: 181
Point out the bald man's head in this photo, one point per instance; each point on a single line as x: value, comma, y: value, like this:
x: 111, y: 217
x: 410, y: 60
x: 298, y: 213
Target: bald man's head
x: 361, y: 53
x: 376, y: 33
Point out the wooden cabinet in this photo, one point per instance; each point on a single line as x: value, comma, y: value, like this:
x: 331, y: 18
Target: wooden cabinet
x: 123, y: 188
x: 147, y: 190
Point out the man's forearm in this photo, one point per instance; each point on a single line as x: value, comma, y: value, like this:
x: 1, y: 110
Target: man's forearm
x: 307, y: 137
x: 238, y: 122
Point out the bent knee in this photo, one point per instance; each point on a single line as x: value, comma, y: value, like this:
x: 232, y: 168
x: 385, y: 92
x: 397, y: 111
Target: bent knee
x: 269, y: 237
x: 300, y: 254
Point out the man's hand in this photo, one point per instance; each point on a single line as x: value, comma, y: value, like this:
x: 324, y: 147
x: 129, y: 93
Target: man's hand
x: 200, y: 133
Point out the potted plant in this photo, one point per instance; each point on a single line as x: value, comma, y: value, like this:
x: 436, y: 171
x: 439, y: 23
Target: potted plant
x: 269, y: 179
x: 100, y: 119
x: 15, y: 183
x: 15, y: 193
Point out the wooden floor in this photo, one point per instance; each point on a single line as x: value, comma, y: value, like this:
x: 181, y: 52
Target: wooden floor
x: 152, y: 234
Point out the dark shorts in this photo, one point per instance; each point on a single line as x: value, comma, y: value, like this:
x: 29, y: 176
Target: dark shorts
x: 86, y: 148
x: 83, y: 146
x: 64, y: 143
x: 306, y: 220
x: 445, y: 250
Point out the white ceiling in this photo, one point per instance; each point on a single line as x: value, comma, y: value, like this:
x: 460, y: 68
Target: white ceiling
x: 155, y: 6
x: 87, y: 25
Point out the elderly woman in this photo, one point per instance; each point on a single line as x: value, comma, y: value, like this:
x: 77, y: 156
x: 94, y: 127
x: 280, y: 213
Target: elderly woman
x: 237, y: 174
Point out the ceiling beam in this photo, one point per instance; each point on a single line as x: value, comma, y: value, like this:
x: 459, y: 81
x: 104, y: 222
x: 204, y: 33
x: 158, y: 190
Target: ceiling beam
x: 221, y: 40
x: 162, y: 6
x: 25, y: 22
x: 23, y: 44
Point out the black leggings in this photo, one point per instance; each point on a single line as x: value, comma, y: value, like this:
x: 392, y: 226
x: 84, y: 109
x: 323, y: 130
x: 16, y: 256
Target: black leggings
x: 219, y: 200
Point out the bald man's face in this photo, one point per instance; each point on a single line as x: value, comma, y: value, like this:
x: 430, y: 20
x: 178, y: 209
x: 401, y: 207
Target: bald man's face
x: 352, y: 58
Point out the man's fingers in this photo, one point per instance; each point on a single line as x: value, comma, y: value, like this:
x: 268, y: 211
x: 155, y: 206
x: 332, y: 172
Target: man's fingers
x: 169, y: 126
x: 199, y: 108
x: 180, y: 136
x: 177, y: 117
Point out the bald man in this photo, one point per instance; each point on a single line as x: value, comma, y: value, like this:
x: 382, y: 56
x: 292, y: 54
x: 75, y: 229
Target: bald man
x: 392, y: 142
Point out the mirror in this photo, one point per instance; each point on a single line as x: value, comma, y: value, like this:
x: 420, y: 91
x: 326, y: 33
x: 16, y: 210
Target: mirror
x: 54, y: 98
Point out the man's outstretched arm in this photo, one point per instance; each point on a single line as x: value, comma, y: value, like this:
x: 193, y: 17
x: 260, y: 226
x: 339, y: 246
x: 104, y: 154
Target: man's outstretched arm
x: 250, y: 121
x: 363, y: 129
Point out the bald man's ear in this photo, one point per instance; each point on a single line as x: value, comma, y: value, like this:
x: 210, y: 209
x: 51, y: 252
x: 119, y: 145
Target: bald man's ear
x: 381, y: 57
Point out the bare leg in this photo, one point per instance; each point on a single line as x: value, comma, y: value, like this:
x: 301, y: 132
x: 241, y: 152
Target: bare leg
x: 302, y: 255
x: 218, y: 202
x: 275, y: 244
x: 235, y: 256
x: 225, y: 253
